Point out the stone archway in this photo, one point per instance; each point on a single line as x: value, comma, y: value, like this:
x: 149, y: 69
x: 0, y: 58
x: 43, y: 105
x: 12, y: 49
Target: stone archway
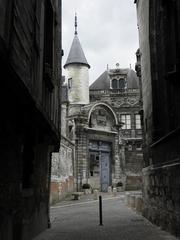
x: 103, y: 140
x: 105, y: 106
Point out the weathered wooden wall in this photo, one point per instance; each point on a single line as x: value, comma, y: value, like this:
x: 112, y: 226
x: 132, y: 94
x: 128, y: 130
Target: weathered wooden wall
x: 23, y: 36
x: 30, y: 66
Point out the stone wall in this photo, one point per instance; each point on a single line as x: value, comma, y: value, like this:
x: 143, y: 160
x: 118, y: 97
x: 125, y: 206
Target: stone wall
x: 161, y: 192
x: 60, y: 189
x: 162, y: 184
x: 143, y: 25
x: 81, y: 164
x: 158, y: 21
x: 64, y: 122
x: 79, y: 91
x: 62, y: 172
x: 127, y: 152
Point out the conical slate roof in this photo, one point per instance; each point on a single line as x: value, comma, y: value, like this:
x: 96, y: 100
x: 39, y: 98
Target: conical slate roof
x: 76, y: 54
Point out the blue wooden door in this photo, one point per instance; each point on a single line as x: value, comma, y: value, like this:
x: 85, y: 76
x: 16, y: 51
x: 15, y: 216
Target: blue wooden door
x: 105, y: 178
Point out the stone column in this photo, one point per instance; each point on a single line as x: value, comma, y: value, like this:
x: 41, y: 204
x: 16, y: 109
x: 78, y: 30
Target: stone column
x: 117, y: 159
x: 81, y: 152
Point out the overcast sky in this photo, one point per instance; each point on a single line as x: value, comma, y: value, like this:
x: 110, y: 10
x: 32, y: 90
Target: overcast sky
x: 107, y: 30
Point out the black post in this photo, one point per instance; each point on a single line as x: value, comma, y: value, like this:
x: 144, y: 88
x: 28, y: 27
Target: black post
x: 100, y: 211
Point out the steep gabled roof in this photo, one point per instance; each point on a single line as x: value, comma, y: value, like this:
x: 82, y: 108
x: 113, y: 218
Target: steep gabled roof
x: 102, y: 82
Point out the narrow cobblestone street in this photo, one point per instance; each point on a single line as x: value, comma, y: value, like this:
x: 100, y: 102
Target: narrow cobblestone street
x: 79, y: 220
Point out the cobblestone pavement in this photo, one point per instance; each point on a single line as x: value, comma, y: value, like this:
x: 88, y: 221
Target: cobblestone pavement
x: 79, y: 220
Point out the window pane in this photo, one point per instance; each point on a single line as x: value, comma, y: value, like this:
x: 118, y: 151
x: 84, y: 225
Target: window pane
x: 137, y: 117
x: 121, y: 83
x: 123, y: 117
x: 138, y: 121
x: 114, y: 84
x: 126, y: 119
x: 69, y: 82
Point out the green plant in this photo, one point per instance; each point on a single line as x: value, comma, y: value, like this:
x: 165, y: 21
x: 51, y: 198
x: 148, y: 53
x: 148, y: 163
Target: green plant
x: 86, y: 186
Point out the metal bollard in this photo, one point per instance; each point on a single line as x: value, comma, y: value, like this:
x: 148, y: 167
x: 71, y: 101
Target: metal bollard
x: 100, y: 211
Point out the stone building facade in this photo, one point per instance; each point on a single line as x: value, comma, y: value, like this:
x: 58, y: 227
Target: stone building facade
x: 159, y: 35
x: 62, y: 172
x: 103, y: 121
x: 30, y: 64
x: 118, y: 90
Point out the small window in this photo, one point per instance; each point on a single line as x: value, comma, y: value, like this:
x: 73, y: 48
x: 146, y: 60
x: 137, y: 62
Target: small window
x: 130, y: 147
x: 126, y: 120
x: 114, y: 84
x: 118, y: 84
x: 121, y: 83
x: 138, y: 121
x: 70, y: 129
x: 69, y: 83
x: 94, y: 165
x: 138, y: 147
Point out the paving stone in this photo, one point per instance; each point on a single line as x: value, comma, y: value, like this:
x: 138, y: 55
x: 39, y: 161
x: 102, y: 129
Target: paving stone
x: 72, y: 220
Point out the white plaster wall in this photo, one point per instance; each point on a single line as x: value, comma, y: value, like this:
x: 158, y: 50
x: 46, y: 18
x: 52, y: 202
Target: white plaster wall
x: 63, y: 120
x: 79, y: 92
x: 62, y: 164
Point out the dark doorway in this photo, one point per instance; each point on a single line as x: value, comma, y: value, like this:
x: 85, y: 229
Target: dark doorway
x: 99, y: 165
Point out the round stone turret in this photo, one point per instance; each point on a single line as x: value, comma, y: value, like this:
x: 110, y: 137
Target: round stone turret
x: 77, y: 69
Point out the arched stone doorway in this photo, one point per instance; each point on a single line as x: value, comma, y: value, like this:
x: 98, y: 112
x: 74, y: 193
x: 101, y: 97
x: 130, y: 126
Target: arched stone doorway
x: 103, y: 141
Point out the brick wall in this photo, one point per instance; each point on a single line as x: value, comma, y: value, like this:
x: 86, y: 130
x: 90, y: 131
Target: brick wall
x: 59, y: 189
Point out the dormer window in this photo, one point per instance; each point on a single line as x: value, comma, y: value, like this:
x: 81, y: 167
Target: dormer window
x: 118, y: 83
x: 114, y: 84
x: 121, y: 83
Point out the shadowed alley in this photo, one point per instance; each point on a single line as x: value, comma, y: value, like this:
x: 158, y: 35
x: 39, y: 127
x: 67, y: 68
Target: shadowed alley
x: 79, y: 220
